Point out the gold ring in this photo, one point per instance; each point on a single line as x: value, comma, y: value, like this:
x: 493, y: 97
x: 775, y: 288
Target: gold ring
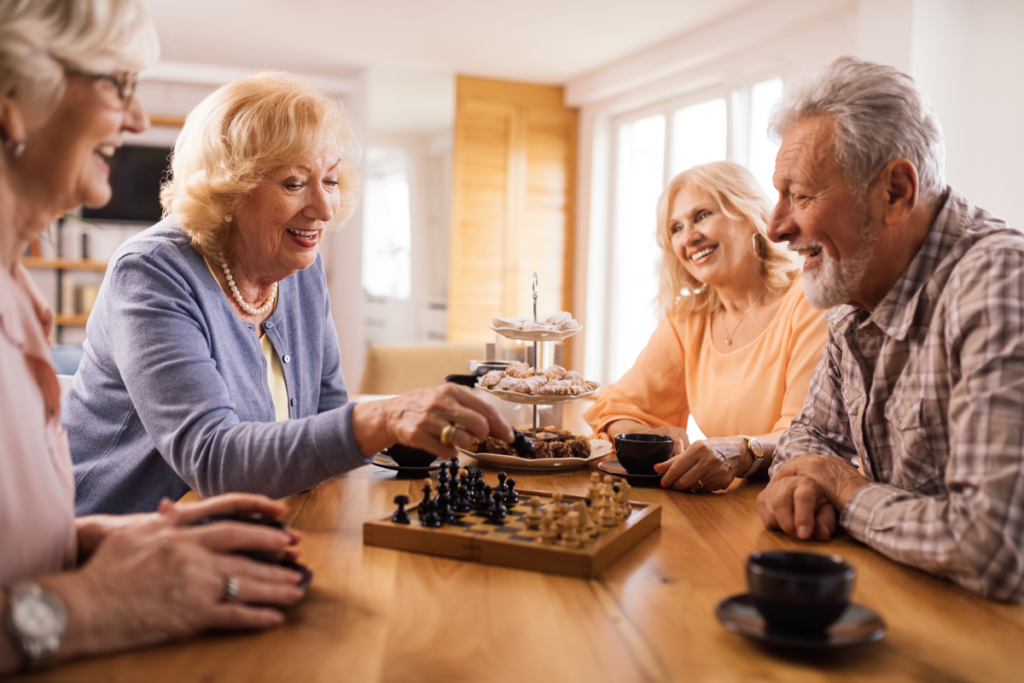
x: 448, y: 434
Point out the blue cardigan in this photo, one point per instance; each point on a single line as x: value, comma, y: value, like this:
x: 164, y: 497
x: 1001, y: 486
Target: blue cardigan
x: 172, y: 391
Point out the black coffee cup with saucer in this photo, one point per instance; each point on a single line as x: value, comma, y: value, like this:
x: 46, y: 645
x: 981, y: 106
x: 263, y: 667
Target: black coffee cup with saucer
x: 407, y: 461
x: 800, y: 599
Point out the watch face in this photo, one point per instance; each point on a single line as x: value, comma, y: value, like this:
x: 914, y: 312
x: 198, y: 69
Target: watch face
x: 36, y: 617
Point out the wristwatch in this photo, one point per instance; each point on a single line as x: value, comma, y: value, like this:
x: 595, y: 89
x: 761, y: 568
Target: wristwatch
x: 756, y: 450
x: 35, y: 620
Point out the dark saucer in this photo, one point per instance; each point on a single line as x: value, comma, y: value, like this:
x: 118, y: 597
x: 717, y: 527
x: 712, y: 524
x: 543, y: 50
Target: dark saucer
x: 385, y: 461
x: 614, y: 468
x: 858, y: 625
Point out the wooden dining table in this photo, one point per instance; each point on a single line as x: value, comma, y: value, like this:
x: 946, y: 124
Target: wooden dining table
x: 377, y: 614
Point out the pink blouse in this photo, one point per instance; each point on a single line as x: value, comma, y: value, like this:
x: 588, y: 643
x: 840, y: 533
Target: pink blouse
x: 37, y: 490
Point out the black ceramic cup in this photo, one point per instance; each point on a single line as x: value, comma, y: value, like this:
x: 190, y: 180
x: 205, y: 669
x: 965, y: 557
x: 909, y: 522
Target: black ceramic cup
x: 639, y: 453
x: 799, y: 592
x: 407, y: 456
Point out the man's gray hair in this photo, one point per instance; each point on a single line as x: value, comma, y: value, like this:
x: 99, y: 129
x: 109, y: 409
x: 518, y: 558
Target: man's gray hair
x: 879, y: 115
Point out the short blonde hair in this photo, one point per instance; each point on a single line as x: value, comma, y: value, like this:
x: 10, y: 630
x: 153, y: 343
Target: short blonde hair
x: 38, y: 38
x: 740, y: 198
x: 238, y: 135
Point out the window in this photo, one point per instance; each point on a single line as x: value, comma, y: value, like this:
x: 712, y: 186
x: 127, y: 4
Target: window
x: 387, y: 235
x: 649, y: 148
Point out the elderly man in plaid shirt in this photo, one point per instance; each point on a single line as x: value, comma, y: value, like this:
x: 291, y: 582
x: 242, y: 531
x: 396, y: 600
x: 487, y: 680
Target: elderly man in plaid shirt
x: 912, y: 433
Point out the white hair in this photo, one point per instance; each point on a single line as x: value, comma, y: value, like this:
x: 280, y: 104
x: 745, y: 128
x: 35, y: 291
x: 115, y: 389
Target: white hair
x: 879, y: 115
x: 39, y: 38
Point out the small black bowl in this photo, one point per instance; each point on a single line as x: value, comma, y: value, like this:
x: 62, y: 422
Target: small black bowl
x: 639, y: 453
x: 407, y: 456
x: 799, y: 592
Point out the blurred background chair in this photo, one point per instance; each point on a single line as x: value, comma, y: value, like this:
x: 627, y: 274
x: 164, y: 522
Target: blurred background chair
x: 396, y: 368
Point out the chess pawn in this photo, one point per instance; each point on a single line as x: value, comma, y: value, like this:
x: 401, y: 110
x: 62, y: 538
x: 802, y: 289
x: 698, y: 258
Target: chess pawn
x: 548, y: 535
x: 595, y: 486
x: 570, y: 536
x: 533, y: 517
x: 607, y: 517
x: 556, y: 504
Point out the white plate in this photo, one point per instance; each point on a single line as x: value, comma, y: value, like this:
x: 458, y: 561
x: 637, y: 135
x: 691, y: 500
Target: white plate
x: 535, y: 335
x: 598, y: 449
x: 537, y: 399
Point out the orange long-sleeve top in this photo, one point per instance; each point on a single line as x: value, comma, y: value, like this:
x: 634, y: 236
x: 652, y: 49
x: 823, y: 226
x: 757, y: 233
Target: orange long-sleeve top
x: 754, y: 390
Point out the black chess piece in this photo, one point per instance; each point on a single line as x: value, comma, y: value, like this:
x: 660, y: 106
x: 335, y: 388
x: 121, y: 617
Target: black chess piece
x: 511, y: 495
x: 463, y: 504
x: 429, y: 517
x: 501, y: 482
x: 484, y: 503
x: 442, y: 476
x: 426, y: 493
x: 497, y: 511
x: 401, y: 516
x: 453, y: 469
x: 477, y: 493
x: 444, y: 509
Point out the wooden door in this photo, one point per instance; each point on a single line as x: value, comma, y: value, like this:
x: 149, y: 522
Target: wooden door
x: 512, y: 205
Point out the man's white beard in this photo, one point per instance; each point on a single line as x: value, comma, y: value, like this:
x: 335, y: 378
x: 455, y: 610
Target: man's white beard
x: 836, y: 280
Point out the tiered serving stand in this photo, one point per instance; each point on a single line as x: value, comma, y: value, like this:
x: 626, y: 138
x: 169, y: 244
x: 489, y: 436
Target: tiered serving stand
x: 599, y: 448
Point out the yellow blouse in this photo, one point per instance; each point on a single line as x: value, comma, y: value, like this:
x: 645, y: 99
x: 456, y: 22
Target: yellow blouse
x: 756, y: 389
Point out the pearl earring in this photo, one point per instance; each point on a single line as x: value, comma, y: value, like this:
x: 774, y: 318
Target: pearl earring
x: 228, y: 218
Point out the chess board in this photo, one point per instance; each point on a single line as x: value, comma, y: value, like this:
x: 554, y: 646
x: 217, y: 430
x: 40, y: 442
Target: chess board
x: 512, y: 544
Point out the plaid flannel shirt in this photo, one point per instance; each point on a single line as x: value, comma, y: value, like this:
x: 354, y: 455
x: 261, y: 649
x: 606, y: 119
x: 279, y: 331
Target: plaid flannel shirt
x: 927, y: 391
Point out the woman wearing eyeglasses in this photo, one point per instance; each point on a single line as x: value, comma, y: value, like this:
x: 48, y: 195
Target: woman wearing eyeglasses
x: 75, y: 587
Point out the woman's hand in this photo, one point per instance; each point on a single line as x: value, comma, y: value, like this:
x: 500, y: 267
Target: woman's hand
x: 92, y: 529
x: 713, y: 462
x: 418, y: 417
x: 154, y: 580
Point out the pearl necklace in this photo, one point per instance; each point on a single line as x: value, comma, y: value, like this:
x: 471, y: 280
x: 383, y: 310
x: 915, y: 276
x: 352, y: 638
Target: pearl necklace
x: 728, y: 338
x: 238, y: 296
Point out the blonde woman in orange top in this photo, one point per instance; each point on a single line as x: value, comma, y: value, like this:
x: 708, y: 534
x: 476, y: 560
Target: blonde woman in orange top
x: 738, y: 343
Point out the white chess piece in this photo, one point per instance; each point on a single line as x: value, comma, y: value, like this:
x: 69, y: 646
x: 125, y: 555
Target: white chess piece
x: 534, y: 516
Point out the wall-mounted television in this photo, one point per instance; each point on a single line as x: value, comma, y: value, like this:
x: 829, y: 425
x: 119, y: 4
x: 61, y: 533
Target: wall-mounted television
x: 136, y: 172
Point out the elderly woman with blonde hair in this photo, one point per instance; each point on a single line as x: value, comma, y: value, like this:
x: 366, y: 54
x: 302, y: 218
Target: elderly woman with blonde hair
x: 738, y: 343
x: 212, y: 362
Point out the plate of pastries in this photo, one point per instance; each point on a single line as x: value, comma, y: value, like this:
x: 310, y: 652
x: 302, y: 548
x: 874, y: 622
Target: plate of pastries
x: 552, y: 449
x: 521, y: 383
x: 553, y: 327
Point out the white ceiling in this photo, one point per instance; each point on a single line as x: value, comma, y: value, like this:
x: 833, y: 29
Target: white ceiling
x: 402, y: 41
x: 544, y: 41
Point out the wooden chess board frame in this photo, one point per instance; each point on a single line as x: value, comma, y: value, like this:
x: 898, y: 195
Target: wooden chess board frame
x: 512, y: 544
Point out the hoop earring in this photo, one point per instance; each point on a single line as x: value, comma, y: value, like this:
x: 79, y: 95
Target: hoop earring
x: 15, y: 148
x: 758, y: 245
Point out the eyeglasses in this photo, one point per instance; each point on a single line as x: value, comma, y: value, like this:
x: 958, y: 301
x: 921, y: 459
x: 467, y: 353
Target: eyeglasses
x: 124, y: 81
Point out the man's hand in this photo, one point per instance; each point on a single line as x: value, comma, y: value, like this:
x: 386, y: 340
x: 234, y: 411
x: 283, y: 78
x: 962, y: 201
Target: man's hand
x: 807, y: 495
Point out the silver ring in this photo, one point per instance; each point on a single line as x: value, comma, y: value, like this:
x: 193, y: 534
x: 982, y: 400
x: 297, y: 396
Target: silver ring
x: 230, y: 591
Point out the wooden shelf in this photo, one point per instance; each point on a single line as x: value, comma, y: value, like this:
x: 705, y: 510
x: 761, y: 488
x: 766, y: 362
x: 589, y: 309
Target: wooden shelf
x: 71, y: 320
x: 63, y: 263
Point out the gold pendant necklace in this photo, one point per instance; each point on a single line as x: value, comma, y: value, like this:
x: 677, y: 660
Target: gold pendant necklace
x: 730, y: 335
